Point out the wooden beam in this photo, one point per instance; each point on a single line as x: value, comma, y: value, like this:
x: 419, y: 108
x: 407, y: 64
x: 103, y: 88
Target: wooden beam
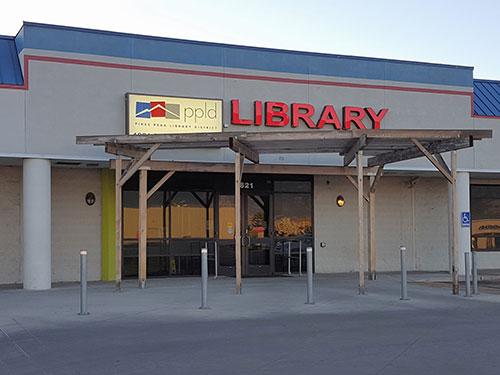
x: 355, y: 184
x: 414, y: 153
x: 361, y: 227
x: 118, y: 223
x: 374, y: 181
x: 249, y: 138
x: 456, y: 225
x: 350, y: 154
x: 157, y: 165
x: 134, y: 167
x: 160, y: 183
x: 143, y: 225
x: 241, y: 148
x: 125, y: 150
x: 372, y: 243
x: 238, y: 172
x: 441, y: 161
x: 433, y: 160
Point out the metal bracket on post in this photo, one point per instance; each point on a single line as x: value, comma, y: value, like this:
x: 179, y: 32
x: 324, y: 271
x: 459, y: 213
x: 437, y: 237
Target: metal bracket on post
x: 404, y: 279
x: 83, y: 283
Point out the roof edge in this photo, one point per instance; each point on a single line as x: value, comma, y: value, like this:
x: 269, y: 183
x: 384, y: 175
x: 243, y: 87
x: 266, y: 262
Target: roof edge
x: 228, y: 45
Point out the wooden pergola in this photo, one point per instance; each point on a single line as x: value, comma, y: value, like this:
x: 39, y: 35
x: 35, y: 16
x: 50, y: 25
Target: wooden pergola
x: 379, y: 148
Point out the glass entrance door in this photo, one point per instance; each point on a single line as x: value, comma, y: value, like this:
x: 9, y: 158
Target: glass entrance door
x: 257, y: 239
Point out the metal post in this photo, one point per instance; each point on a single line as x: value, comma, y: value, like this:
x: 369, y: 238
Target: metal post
x: 300, y: 257
x: 310, y: 295
x: 83, y: 283
x: 475, y: 289
x: 289, y: 258
x: 404, y: 290
x: 204, y: 278
x: 467, y: 274
x: 216, y: 259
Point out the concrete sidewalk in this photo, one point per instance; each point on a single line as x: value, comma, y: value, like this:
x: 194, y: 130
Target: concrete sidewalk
x: 267, y: 330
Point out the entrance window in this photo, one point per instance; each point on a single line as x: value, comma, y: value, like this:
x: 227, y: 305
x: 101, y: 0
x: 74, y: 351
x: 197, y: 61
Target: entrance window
x: 155, y: 215
x: 292, y: 215
x: 226, y: 217
x: 192, y: 215
x: 485, y: 215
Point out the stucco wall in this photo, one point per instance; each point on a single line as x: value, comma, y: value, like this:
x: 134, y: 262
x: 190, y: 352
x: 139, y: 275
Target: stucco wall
x: 75, y: 225
x: 10, y: 218
x: 414, y: 214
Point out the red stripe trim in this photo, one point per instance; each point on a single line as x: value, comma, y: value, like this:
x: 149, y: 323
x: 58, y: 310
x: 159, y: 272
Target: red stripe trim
x: 242, y: 76
x: 484, y: 116
x: 204, y: 73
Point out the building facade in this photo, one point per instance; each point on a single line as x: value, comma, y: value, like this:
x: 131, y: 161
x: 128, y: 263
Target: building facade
x: 57, y: 197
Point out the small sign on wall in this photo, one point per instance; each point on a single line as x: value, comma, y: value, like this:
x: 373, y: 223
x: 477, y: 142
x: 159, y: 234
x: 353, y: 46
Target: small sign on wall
x: 465, y: 219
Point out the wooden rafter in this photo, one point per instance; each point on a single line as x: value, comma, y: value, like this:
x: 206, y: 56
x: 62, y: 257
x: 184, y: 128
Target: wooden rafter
x: 374, y: 181
x: 130, y: 151
x: 156, y: 165
x: 160, y: 183
x: 358, y: 145
x: 134, y: 167
x: 355, y: 184
x: 241, y: 148
x: 409, y: 153
x: 433, y: 160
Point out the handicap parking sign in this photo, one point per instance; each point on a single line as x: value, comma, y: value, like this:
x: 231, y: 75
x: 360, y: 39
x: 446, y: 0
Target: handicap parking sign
x: 465, y: 219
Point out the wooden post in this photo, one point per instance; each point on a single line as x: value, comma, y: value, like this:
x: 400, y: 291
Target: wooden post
x: 238, y: 170
x: 118, y: 223
x: 143, y: 223
x: 372, y: 261
x: 361, y: 229
x: 455, y: 225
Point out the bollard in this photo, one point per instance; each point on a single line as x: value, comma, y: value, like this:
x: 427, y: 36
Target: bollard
x: 467, y: 274
x: 216, y: 259
x: 83, y: 283
x: 289, y: 258
x: 404, y: 281
x: 475, y: 288
x: 310, y: 295
x: 300, y: 258
x: 204, y: 278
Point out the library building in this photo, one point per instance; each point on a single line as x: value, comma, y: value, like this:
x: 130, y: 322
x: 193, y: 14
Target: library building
x: 143, y: 150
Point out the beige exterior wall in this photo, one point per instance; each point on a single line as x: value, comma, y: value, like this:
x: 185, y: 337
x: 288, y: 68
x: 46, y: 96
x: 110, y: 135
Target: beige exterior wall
x: 414, y: 214
x: 75, y: 225
x: 10, y: 227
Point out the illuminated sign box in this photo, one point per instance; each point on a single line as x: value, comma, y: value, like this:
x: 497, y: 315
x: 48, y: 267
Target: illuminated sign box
x: 147, y: 114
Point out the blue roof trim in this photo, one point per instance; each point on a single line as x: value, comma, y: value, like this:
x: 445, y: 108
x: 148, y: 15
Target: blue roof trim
x: 486, y: 97
x: 10, y: 68
x: 106, y: 43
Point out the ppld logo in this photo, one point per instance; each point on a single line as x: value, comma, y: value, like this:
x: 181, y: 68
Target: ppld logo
x: 157, y: 109
x: 173, y: 111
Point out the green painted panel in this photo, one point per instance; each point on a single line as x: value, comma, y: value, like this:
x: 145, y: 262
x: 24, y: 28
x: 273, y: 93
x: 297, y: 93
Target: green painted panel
x: 108, y: 225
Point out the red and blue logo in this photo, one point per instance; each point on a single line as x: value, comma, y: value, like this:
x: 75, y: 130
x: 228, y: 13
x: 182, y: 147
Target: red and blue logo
x: 157, y: 109
x: 150, y: 109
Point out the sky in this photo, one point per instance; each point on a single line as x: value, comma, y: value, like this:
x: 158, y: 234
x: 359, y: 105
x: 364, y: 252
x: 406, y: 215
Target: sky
x: 457, y: 32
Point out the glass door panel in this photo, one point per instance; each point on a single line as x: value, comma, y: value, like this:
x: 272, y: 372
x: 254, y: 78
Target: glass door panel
x: 225, y: 243
x: 258, y: 238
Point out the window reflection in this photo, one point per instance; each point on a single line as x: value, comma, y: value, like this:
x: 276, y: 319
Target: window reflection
x: 485, y: 212
x: 293, y: 215
x: 192, y: 215
x: 226, y: 217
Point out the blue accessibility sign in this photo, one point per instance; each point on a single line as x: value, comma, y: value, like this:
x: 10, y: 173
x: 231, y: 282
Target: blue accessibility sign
x: 465, y: 219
